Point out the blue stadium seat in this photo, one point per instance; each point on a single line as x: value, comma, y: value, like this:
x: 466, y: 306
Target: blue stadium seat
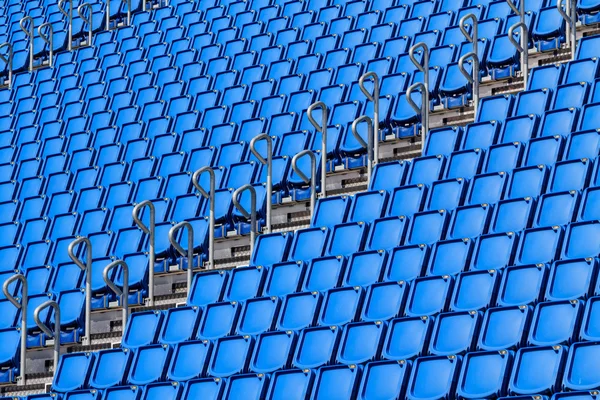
x: 284, y: 278
x: 384, y: 301
x: 341, y: 306
x: 218, y: 320
x: 73, y: 372
x: 539, y: 245
x: 522, y: 285
x: 494, y: 251
x: 426, y: 170
x: 299, y: 311
x: 475, y: 290
x: 407, y: 262
x: 487, y: 188
x: 429, y: 295
x: 290, y: 384
x: 544, y: 150
x: 455, y: 333
x: 484, y: 374
x: 110, y: 368
x: 365, y: 268
x: 265, y: 254
x: 556, y: 208
x: 142, y: 329
x: 316, y: 347
x: 527, y: 182
x: 230, y: 356
x: 582, y: 145
x: 245, y: 283
x: 555, y: 322
x: 360, y: 342
x: 578, y: 375
x: 386, y: 233
x: 273, y: 351
x: 407, y: 200
x: 544, y: 377
x: 331, y: 211
x: 179, y: 324
x: 464, y: 164
x: 207, y: 288
x: 434, y: 376
x: 443, y: 141
x: 347, y: 238
x: 579, y: 240
x: 571, y: 279
x: 469, y: 221
x: 450, y: 257
x: 384, y: 379
x: 258, y: 315
x: 367, y: 206
x: 339, y: 381
x: 512, y: 215
x: 504, y: 328
x: 427, y: 227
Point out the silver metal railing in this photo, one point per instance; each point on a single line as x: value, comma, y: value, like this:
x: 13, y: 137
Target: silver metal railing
x: 473, y: 77
x: 523, y: 49
x: 375, y: 99
x: 87, y: 267
x: 367, y: 145
x: 424, y: 86
x: 313, y: 176
x: 42, y: 325
x: 29, y: 33
x: 90, y: 21
x: 69, y: 15
x: 190, y: 250
x: 268, y: 162
x: 210, y: 196
x: 323, y: 129
x: 151, y: 232
x: 123, y: 293
x: 49, y: 40
x: 570, y: 17
x: 22, y: 305
x: 249, y: 215
x: 8, y: 61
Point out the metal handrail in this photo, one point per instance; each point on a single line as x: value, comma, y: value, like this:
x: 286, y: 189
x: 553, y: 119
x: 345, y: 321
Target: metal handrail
x: 107, y: 10
x: 269, y: 164
x: 249, y: 215
x: 129, y: 11
x: 313, y: 175
x: 48, y: 40
x: 523, y: 49
x: 424, y: 68
x: 150, y: 231
x: 474, y: 39
x: 23, y: 307
x: 69, y: 16
x: 56, y: 334
x: 375, y: 99
x: 570, y: 17
x: 210, y: 197
x: 8, y: 62
x: 181, y: 250
x: 367, y: 145
x: 323, y: 129
x: 87, y: 267
x: 123, y: 293
x: 89, y: 22
x: 423, y: 110
x: 31, y: 38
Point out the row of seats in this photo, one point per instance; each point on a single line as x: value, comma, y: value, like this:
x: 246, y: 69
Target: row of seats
x: 526, y: 372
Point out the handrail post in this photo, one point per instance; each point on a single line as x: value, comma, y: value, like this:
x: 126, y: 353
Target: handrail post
x: 369, y: 145
x: 423, y: 67
x: 107, y: 10
x: 69, y: 16
x: 474, y: 54
x: 56, y: 334
x: 424, y: 109
x: 323, y: 129
x: 23, y: 306
x: 181, y: 251
x: 150, y: 231
x: 124, y: 294
x: 375, y: 99
x: 210, y: 196
x: 48, y: 40
x: 8, y: 62
x: 569, y: 16
x: 524, y: 50
x: 87, y: 21
x: 87, y: 267
x: 31, y: 38
x: 313, y: 175
x: 268, y: 162
x: 252, y: 214
x: 128, y: 12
